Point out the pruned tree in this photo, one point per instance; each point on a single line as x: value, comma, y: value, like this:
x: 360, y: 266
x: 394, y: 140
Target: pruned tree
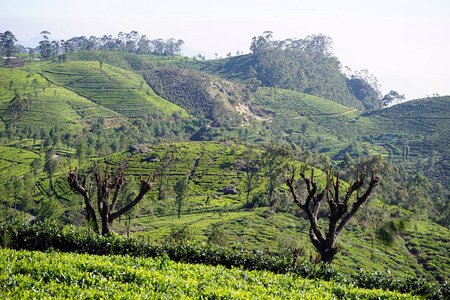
x: 340, y: 208
x: 107, y: 185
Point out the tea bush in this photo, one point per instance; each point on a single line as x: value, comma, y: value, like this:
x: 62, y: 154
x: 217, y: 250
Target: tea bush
x: 48, y: 236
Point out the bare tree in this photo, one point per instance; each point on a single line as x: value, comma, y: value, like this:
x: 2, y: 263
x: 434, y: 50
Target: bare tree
x: 107, y: 185
x: 339, y: 213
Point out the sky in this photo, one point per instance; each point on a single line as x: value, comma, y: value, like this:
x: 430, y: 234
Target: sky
x: 405, y: 44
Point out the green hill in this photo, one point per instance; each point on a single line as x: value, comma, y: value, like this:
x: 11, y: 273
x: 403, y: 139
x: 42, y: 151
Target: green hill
x: 201, y: 94
x: 276, y: 228
x: 293, y: 65
x: 288, y: 104
x: 426, y: 117
x: 96, y: 104
x: 122, y: 91
x: 70, y: 94
x: 47, y: 104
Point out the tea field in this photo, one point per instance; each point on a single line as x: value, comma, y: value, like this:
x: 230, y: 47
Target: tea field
x: 55, y: 275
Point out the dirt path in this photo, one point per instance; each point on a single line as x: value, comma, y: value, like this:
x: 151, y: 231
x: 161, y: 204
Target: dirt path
x: 321, y: 115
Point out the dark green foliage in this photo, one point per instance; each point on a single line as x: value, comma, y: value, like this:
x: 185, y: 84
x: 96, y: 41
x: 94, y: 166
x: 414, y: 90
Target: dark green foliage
x: 408, y: 284
x: 305, y: 66
x: 305, y: 72
x: 181, y: 189
x: 182, y: 233
x: 16, y: 109
x: 7, y: 40
x: 199, y: 93
x: 365, y: 93
x: 218, y: 236
x: 44, y: 236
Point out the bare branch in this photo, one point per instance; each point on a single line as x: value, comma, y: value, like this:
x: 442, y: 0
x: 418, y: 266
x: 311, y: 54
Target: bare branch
x: 327, y: 248
x: 146, y: 186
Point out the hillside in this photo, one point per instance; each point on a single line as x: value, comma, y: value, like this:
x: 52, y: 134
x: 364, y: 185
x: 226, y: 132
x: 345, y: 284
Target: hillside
x: 202, y: 95
x: 137, y: 112
x: 116, y: 89
x: 305, y: 65
x: 427, y: 117
x: 425, y: 125
x: 47, y: 104
x: 276, y: 228
x: 74, y: 93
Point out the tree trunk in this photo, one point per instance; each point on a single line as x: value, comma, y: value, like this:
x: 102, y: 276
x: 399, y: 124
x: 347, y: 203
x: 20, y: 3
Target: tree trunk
x: 327, y: 252
x: 106, y: 226
x: 35, y: 184
x: 160, y: 190
x: 50, y: 187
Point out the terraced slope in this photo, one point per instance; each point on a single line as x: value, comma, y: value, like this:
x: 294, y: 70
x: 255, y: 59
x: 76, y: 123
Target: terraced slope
x: 291, y: 104
x: 426, y: 117
x: 122, y: 91
x: 47, y: 104
x: 276, y: 229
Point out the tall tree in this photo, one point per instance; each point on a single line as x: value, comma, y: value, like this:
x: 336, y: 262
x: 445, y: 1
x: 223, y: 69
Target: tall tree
x: 48, y: 209
x: 45, y: 47
x: 16, y: 108
x: 35, y: 165
x: 181, y: 190
x: 339, y: 213
x: 274, y: 160
x: 167, y: 164
x: 80, y: 154
x: 249, y: 164
x: 18, y: 190
x: 50, y: 167
x: 107, y: 185
x: 7, y: 40
x: 392, y: 98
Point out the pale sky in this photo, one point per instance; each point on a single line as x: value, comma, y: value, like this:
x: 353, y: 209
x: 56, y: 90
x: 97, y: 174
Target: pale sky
x: 405, y: 44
